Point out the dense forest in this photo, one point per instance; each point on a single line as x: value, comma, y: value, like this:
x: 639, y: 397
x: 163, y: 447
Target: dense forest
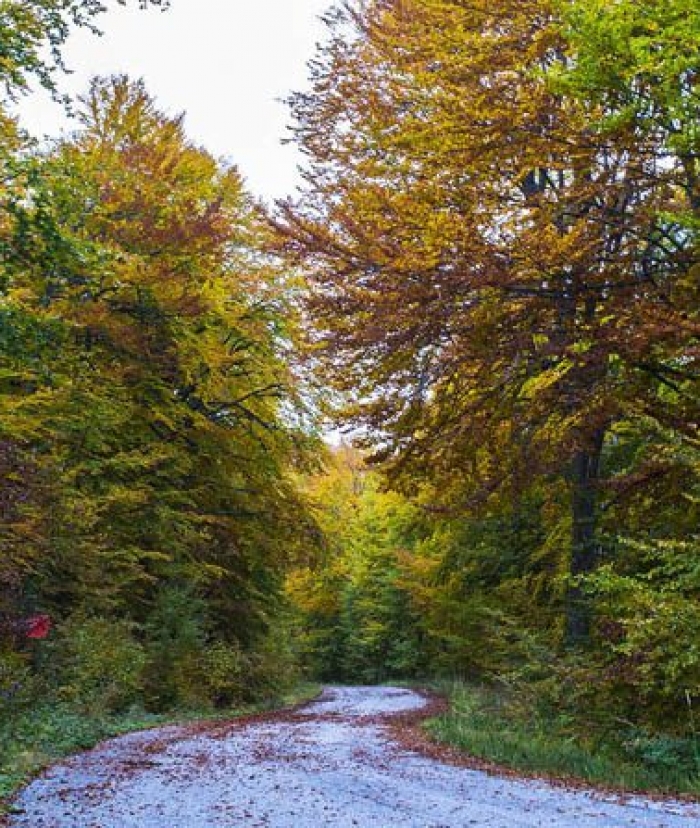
x: 152, y: 424
x: 489, y: 280
x: 499, y: 231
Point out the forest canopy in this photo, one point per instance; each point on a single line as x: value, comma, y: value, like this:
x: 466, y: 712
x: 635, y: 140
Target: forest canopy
x: 151, y: 424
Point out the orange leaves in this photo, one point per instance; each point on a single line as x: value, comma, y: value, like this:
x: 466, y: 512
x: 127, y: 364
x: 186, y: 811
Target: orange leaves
x: 458, y: 206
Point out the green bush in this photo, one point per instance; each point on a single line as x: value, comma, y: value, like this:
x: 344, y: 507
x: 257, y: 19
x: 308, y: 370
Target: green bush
x: 176, y: 644
x: 664, y: 752
x: 273, y: 667
x: 649, y: 636
x: 99, y: 665
x: 226, y: 674
x: 17, y: 684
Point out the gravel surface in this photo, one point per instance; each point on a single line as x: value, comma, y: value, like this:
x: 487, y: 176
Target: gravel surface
x: 330, y: 763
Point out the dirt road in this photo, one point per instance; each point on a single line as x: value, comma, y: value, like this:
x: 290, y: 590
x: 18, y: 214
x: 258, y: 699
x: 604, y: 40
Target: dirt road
x: 330, y: 763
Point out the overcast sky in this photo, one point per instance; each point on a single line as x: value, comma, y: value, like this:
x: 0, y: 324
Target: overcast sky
x: 226, y: 63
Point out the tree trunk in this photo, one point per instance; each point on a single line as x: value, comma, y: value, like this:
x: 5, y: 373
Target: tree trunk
x: 585, y: 470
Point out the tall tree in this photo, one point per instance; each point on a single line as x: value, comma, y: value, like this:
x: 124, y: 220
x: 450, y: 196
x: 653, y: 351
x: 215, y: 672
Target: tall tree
x: 166, y: 425
x: 490, y: 277
x: 32, y: 37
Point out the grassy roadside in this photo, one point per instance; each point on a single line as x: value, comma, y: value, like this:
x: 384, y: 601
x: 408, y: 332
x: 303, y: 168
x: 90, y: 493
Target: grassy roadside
x: 45, y: 735
x: 486, y: 724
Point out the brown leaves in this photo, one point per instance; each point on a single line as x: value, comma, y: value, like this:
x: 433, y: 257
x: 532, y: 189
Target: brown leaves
x: 456, y: 205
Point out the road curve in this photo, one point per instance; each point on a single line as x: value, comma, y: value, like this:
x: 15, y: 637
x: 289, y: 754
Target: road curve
x: 329, y: 763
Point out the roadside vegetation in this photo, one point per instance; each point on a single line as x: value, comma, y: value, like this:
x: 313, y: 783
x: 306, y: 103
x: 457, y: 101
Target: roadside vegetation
x: 519, y: 730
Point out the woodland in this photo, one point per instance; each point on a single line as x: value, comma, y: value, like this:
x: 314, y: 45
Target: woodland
x: 489, y: 280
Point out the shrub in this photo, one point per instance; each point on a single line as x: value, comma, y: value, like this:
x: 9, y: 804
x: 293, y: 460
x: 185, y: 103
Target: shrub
x: 226, y: 674
x: 273, y: 666
x: 99, y: 664
x: 176, y: 644
x: 17, y: 684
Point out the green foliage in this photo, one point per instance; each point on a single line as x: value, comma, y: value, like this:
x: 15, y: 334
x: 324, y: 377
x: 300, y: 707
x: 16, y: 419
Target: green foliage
x: 649, y: 631
x: 358, y: 621
x: 48, y: 732
x: 227, y: 674
x: 175, y: 630
x: 272, y: 668
x: 640, y: 61
x: 483, y: 722
x: 377, y: 620
x: 17, y: 684
x: 98, y: 664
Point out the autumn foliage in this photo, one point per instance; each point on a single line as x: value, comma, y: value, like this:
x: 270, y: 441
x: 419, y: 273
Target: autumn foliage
x: 489, y: 279
x: 151, y: 427
x: 499, y: 225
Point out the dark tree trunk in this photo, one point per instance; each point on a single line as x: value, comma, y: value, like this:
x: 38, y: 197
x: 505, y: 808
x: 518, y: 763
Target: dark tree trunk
x: 585, y: 469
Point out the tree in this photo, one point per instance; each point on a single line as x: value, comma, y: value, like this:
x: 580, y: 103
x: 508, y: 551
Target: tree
x: 489, y: 276
x: 33, y: 35
x: 357, y: 620
x: 161, y: 417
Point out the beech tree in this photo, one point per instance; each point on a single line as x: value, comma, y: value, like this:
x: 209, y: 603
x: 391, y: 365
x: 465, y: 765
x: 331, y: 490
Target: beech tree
x: 495, y: 282
x: 148, y: 410
x: 151, y: 429
x: 32, y: 37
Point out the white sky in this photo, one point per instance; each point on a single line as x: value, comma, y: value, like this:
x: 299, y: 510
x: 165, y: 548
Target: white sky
x: 226, y: 63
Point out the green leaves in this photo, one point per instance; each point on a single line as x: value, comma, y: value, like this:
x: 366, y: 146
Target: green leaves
x: 32, y: 36
x: 639, y: 60
x: 148, y: 419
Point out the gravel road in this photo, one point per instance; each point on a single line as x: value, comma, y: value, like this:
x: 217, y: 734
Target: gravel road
x: 329, y: 763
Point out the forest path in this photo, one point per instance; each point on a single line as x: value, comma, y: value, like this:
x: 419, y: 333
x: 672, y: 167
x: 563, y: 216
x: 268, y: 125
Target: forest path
x: 332, y: 762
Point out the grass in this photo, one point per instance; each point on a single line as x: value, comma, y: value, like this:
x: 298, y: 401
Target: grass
x: 483, y: 722
x: 44, y: 735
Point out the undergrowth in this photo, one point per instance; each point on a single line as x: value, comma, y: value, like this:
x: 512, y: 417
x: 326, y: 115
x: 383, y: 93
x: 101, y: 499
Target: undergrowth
x: 487, y: 723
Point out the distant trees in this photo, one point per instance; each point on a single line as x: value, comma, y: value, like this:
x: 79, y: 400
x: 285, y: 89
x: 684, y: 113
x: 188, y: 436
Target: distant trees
x: 354, y: 616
